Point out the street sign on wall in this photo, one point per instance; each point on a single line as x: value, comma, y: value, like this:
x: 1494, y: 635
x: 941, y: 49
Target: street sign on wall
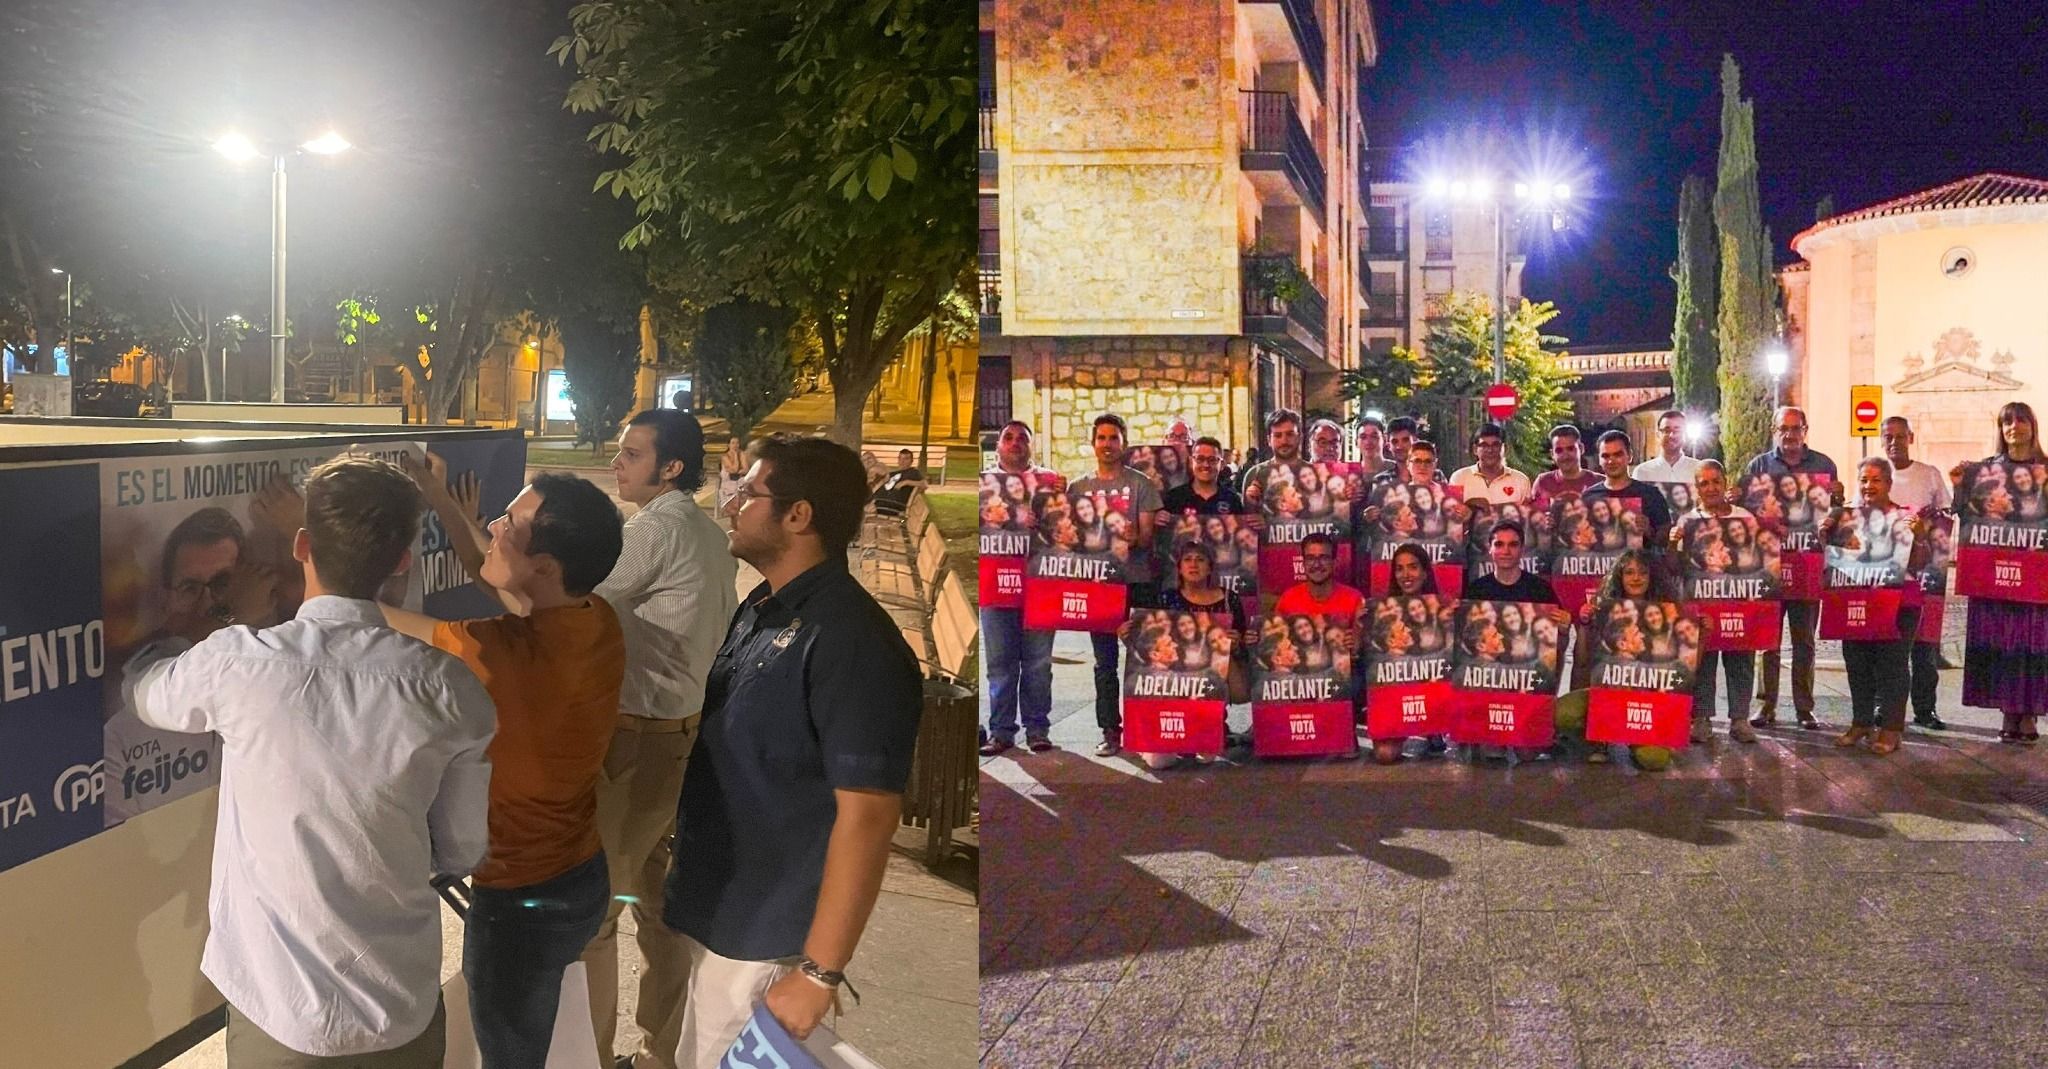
x: 1866, y: 410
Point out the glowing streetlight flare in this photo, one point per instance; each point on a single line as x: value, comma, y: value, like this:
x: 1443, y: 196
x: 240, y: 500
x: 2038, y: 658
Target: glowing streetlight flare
x: 327, y: 144
x: 1438, y: 188
x: 236, y: 147
x: 1461, y: 190
x: 1776, y: 359
x: 1561, y: 191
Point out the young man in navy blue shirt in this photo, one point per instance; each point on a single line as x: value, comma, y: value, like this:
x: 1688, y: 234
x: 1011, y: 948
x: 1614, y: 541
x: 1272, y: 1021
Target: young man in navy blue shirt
x: 796, y: 786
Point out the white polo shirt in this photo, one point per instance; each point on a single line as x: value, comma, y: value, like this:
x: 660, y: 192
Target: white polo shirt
x: 1509, y: 485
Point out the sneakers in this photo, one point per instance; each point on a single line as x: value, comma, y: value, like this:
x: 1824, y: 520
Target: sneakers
x: 996, y: 746
x: 1038, y: 743
x: 1111, y: 745
x: 1931, y: 722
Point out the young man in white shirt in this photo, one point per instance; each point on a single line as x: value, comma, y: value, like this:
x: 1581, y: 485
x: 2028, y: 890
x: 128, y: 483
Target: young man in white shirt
x: 1923, y: 488
x: 1670, y: 465
x: 675, y: 589
x: 1491, y: 479
x: 355, y: 772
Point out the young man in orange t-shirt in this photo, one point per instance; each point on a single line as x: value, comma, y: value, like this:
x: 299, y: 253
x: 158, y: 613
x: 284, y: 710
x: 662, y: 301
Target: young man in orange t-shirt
x: 554, y: 666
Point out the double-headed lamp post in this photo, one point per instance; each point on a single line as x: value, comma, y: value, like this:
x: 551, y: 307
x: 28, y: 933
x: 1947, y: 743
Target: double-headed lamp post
x: 240, y: 149
x: 1548, y: 197
x: 1776, y: 361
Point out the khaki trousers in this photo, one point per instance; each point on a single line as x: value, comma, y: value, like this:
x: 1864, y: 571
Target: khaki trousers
x: 722, y: 995
x: 249, y: 1047
x: 636, y: 817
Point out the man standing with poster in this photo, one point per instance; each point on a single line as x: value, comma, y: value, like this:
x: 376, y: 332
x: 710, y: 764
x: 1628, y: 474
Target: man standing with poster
x: 1129, y: 489
x: 1205, y: 493
x: 1019, y: 661
x: 1801, y: 615
x: 1922, y: 489
x: 1283, y: 437
x: 1670, y: 465
x: 1568, y: 478
x: 1731, y: 579
x: 1372, y: 449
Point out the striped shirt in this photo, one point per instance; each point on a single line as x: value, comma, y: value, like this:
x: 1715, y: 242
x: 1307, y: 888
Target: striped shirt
x: 675, y: 589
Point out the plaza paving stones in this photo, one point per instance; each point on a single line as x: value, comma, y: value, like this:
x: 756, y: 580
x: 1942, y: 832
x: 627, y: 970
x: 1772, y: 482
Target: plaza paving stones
x: 1782, y: 904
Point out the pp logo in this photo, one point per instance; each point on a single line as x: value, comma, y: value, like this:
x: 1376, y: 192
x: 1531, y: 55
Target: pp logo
x: 1072, y: 604
x: 1638, y: 716
x: 79, y: 786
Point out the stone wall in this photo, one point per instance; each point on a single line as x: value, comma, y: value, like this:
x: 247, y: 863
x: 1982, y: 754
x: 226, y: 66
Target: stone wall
x: 1066, y: 382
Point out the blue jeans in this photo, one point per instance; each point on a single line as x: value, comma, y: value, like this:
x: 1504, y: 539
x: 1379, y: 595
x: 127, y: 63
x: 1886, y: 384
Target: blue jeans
x: 1019, y: 673
x: 514, y: 947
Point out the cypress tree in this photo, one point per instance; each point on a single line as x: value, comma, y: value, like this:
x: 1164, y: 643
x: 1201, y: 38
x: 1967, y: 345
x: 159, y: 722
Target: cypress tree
x: 1695, y: 386
x: 1745, y: 320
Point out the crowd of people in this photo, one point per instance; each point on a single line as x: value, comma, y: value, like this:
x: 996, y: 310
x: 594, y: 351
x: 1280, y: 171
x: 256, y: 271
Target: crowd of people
x: 373, y: 754
x: 1641, y: 511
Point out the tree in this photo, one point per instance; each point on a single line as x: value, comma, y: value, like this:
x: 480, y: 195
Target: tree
x: 1746, y: 318
x: 1695, y: 362
x: 1444, y: 380
x: 745, y: 356
x: 601, y: 364
x: 813, y: 154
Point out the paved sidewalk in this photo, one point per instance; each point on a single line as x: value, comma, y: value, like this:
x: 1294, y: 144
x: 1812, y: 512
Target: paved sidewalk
x: 1780, y: 904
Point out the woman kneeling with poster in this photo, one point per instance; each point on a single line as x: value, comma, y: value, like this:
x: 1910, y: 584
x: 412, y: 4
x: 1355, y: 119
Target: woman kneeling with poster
x: 1304, y: 689
x: 1644, y: 655
x: 1871, y: 601
x: 1176, y: 670
x: 1408, y: 659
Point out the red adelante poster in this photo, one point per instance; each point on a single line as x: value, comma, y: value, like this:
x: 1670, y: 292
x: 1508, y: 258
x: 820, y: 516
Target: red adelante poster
x: 1531, y: 514
x: 1076, y: 576
x: 1420, y: 513
x: 1645, y: 654
x: 1504, y: 670
x: 1297, y: 499
x: 1586, y: 538
x: 1732, y: 575
x: 1233, y: 545
x: 1008, y: 519
x: 1408, y: 667
x: 1176, y: 666
x: 1793, y: 505
x: 1866, y: 583
x: 2002, y: 541
x: 1302, y: 686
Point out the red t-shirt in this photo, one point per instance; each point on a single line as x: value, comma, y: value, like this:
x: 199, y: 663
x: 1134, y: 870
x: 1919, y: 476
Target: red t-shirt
x: 1297, y: 600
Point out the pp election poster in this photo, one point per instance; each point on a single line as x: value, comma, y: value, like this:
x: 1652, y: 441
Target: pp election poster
x: 1408, y: 667
x: 1075, y: 578
x: 1732, y: 574
x: 2002, y: 546
x: 1644, y: 656
x: 1418, y: 513
x: 1586, y: 538
x: 1232, y: 543
x: 1865, y: 584
x: 1793, y: 505
x: 1504, y: 670
x: 1298, y: 499
x: 1009, y: 516
x: 1176, y: 666
x: 52, y: 660
x: 1303, y: 687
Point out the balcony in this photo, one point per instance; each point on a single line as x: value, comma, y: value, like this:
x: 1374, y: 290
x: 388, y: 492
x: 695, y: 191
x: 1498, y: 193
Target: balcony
x: 1303, y: 26
x: 1386, y: 310
x: 988, y: 129
x: 1283, y: 305
x: 989, y: 284
x: 1390, y: 243
x: 1276, y: 152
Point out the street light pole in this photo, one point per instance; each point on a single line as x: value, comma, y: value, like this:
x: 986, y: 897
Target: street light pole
x: 277, y: 279
x: 1500, y: 293
x: 70, y: 328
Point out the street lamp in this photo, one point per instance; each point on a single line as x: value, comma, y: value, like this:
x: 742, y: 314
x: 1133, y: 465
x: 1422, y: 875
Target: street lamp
x: 1542, y: 196
x: 1776, y: 360
x: 241, y: 150
x: 68, y: 315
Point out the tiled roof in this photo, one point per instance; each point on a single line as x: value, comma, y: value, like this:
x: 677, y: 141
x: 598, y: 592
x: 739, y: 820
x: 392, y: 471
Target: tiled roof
x: 1987, y: 188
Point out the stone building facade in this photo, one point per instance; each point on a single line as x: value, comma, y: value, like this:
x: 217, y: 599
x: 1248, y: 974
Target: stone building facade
x: 1172, y: 204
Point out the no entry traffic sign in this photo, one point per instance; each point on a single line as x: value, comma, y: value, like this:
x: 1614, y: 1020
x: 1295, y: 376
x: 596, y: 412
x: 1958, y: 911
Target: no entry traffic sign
x: 1501, y: 402
x: 1866, y: 410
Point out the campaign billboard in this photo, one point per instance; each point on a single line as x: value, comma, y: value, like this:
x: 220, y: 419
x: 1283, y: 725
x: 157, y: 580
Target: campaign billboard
x: 1732, y: 573
x: 1645, y: 654
x: 1420, y: 513
x: 1408, y: 642
x: 2002, y: 543
x: 1303, y: 687
x: 1008, y: 520
x: 1077, y: 574
x: 1865, y: 585
x: 1793, y: 505
x: 1176, y: 672
x: 52, y: 660
x: 1504, y: 671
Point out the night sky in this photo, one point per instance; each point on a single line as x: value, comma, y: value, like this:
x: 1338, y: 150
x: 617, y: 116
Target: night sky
x: 1863, y: 101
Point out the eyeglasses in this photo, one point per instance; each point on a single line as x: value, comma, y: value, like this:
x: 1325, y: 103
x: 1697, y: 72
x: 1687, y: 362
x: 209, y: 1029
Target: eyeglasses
x: 217, y: 587
x: 744, y: 493
x: 1796, y: 428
